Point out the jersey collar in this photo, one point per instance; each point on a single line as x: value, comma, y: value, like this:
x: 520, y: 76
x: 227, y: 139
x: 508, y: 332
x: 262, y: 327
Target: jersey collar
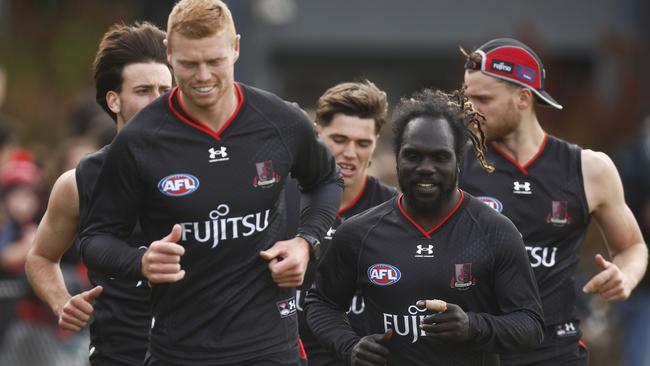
x: 436, y: 226
x: 522, y: 168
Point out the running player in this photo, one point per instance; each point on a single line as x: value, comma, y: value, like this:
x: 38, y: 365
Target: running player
x: 349, y: 117
x: 433, y: 241
x: 130, y: 70
x: 204, y: 169
x: 550, y: 189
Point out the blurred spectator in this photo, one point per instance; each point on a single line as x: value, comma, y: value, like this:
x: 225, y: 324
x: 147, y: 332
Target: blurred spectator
x: 633, y: 161
x: 66, y: 156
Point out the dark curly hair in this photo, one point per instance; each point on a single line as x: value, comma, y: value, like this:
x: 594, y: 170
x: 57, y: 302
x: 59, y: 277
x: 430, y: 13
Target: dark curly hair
x: 455, y: 109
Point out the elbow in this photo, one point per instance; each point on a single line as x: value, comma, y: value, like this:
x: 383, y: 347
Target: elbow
x: 535, y: 335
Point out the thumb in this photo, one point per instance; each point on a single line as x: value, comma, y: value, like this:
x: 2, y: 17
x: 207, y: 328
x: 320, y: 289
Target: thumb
x: 92, y: 294
x: 387, y: 336
x: 601, y: 261
x: 175, y: 235
x: 269, y: 254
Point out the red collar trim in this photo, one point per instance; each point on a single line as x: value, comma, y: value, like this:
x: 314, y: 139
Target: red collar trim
x: 523, y: 168
x: 436, y: 226
x: 186, y: 117
x: 356, y: 199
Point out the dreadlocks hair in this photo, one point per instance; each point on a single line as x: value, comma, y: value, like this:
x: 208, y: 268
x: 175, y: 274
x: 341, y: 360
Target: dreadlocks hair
x: 455, y: 108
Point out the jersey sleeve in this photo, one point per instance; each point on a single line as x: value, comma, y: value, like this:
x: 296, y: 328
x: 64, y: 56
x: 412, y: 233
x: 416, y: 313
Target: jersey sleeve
x: 318, y: 177
x: 519, y: 324
x: 112, y: 215
x: 327, y: 302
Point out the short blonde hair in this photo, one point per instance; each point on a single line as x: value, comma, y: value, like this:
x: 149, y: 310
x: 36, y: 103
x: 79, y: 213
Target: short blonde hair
x: 196, y: 19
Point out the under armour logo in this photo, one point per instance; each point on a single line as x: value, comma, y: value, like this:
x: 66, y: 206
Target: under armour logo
x: 428, y: 250
x: 521, y: 188
x: 330, y: 232
x: 218, y: 155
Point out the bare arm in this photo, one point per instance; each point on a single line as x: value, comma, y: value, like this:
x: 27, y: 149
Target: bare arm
x: 606, y: 201
x: 54, y: 236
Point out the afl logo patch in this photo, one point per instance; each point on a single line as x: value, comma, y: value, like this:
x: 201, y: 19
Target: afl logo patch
x: 177, y: 185
x: 492, y: 202
x: 383, y: 274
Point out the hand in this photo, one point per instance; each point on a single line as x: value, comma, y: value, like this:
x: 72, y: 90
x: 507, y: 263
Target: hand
x: 77, y: 310
x: 161, y: 263
x: 611, y: 283
x: 371, y: 350
x: 451, y: 325
x: 288, y: 260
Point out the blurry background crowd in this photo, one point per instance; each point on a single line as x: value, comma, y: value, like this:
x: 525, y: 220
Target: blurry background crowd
x: 596, y: 54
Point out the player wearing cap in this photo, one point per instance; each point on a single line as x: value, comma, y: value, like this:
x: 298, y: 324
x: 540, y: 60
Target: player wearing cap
x: 550, y: 189
x: 434, y: 241
x: 130, y: 70
x: 349, y: 117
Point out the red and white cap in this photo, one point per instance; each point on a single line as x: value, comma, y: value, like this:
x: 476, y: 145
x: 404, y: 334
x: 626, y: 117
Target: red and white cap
x: 513, y: 61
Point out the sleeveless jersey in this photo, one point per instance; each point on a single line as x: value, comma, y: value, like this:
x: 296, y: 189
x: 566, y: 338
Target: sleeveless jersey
x: 546, y: 201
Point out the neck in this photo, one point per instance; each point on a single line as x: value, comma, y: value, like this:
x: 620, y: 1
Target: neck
x: 351, y: 192
x: 430, y: 218
x: 216, y: 115
x: 523, y: 143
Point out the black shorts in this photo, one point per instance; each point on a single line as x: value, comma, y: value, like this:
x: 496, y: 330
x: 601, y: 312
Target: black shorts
x: 561, y: 347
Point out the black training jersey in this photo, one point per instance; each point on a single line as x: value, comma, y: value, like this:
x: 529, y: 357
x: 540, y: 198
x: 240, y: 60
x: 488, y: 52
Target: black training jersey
x: 473, y: 257
x: 545, y: 199
x: 372, y: 194
x: 224, y: 189
x: 119, y: 328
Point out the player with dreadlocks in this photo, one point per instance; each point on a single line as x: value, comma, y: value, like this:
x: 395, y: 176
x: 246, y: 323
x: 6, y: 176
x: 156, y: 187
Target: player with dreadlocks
x: 434, y: 241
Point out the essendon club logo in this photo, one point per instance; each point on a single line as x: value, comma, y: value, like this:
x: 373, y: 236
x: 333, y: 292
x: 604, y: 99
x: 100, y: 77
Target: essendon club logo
x: 559, y: 215
x: 383, y: 274
x: 494, y: 203
x: 287, y: 307
x: 462, y: 278
x: 266, y: 176
x: 177, y: 185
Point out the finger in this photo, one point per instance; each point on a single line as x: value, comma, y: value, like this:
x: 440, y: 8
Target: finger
x: 68, y: 326
x: 164, y: 268
x: 92, y: 294
x: 290, y: 282
x: 174, y: 236
x: 156, y: 278
x: 371, y: 346
x: 387, y: 336
x: 288, y: 266
x: 160, y: 257
x: 370, y: 358
x: 614, y: 294
x: 77, y: 305
x: 269, y: 254
x: 71, y: 321
x: 444, y: 336
x: 438, y: 327
x: 439, y: 306
x: 166, y: 248
x: 601, y: 261
x: 596, y: 282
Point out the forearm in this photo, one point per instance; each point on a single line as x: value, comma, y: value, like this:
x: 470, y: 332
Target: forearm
x: 633, y: 261
x: 517, y: 331
x: 111, y: 256
x: 318, y: 209
x: 46, y: 279
x: 330, y: 325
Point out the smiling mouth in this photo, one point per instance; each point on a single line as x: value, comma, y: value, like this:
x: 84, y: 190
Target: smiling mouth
x: 204, y: 89
x: 426, y: 188
x: 347, y: 169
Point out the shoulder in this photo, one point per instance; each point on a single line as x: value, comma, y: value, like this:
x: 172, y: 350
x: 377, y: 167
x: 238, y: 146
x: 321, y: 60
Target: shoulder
x: 273, y: 107
x: 487, y: 219
x: 600, y: 176
x: 363, y: 222
x: 64, y: 198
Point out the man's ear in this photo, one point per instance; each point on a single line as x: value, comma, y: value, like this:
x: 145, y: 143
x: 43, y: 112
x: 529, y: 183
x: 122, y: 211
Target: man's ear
x: 113, y: 102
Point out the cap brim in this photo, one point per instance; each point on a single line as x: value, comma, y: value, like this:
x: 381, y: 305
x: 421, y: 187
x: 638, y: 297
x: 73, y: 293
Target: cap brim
x: 547, y: 98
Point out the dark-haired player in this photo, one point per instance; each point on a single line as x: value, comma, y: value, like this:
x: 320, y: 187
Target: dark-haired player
x: 203, y: 170
x: 349, y: 117
x: 549, y: 189
x: 130, y: 70
x: 433, y: 241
